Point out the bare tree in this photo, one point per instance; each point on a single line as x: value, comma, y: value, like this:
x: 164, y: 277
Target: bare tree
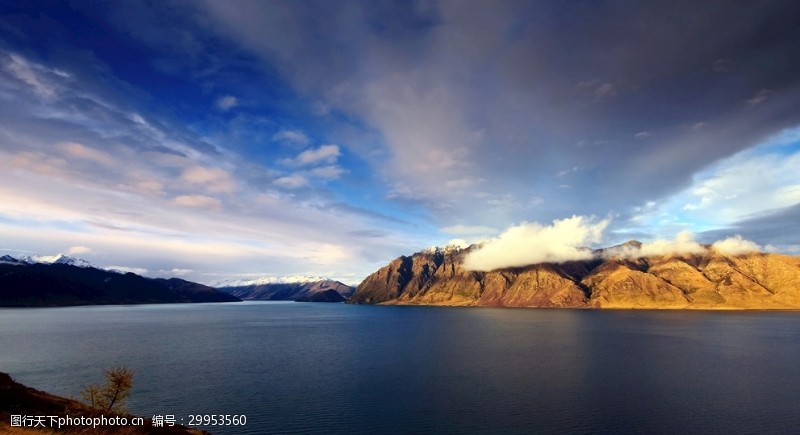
x: 111, y: 396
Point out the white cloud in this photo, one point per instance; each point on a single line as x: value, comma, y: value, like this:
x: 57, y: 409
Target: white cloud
x: 150, y: 186
x: 227, y: 102
x: 78, y: 250
x: 683, y: 243
x: 642, y: 135
x: 745, y: 186
x: 532, y: 243
x: 749, y: 184
x: 213, y: 179
x: 292, y: 136
x: 34, y: 75
x: 294, y: 181
x: 36, y: 162
x: 200, y: 201
x: 329, y: 172
x: 83, y: 152
x: 782, y: 249
x: 735, y: 245
x: 322, y: 155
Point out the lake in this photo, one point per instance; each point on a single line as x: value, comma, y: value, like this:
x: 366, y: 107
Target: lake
x: 334, y: 368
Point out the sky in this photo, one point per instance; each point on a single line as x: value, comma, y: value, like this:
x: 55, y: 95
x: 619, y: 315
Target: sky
x: 215, y: 140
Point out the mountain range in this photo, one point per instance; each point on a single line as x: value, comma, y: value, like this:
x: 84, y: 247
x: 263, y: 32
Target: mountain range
x: 61, y: 280
x: 610, y: 278
x: 45, y: 259
x: 706, y: 280
x: 311, y: 290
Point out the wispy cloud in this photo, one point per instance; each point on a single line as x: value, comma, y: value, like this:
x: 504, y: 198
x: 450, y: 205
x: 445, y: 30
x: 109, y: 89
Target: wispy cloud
x: 325, y: 154
x: 328, y: 172
x: 758, y: 98
x: 101, y: 172
x: 78, y: 151
x: 212, y: 179
x: 227, y: 102
x: 294, y: 181
x: 34, y: 75
x: 201, y: 201
x: 291, y: 136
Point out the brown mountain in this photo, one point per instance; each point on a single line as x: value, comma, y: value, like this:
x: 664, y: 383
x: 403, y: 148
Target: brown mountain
x: 693, y: 281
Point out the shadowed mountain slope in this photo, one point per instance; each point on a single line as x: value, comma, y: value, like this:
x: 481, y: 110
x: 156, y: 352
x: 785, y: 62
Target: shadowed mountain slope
x: 37, y: 285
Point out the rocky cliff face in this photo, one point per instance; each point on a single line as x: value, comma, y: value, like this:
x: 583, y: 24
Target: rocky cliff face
x: 700, y: 281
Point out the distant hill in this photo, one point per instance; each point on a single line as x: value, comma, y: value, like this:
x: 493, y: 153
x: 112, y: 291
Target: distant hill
x: 709, y: 280
x: 61, y: 283
x: 289, y: 291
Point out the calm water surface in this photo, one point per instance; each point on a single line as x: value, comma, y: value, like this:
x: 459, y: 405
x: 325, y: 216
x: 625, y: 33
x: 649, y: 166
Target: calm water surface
x: 310, y: 368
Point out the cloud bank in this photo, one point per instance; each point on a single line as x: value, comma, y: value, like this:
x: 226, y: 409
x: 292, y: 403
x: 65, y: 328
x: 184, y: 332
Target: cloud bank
x: 568, y: 240
x: 531, y: 243
x: 735, y: 245
x: 683, y: 243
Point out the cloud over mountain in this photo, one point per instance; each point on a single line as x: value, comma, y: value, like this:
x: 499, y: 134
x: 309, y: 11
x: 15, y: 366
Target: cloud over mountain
x: 532, y: 243
x: 570, y: 240
x: 735, y: 245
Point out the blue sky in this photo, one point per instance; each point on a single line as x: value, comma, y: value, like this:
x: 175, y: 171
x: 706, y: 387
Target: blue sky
x: 215, y: 140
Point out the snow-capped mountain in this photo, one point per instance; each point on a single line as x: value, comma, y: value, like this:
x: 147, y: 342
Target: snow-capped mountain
x: 296, y: 279
x: 291, y: 288
x: 59, y: 280
x: 453, y: 246
x: 7, y: 259
x: 52, y: 259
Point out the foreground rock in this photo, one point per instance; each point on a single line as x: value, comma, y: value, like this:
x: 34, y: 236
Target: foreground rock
x: 702, y: 281
x: 19, y: 400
